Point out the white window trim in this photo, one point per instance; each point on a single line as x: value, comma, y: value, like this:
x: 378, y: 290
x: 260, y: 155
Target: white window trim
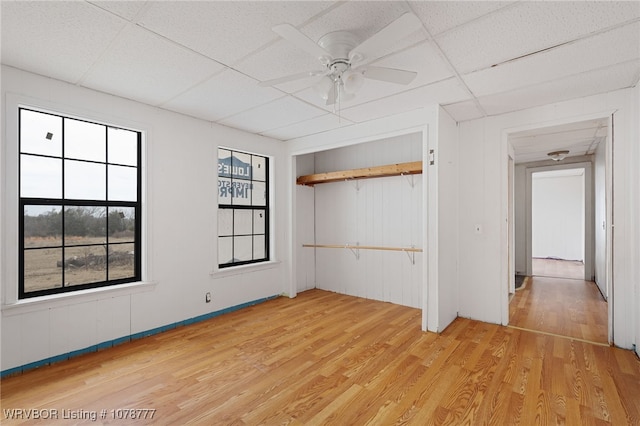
x: 244, y: 269
x: 51, y: 301
x: 9, y: 201
x: 273, y: 261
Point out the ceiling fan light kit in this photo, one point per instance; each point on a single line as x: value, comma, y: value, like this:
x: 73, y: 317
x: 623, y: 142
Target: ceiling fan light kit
x: 344, y: 61
x: 558, y: 155
x: 352, y: 81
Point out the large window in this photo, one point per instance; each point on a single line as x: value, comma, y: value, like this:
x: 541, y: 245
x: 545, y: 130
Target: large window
x: 243, y: 208
x: 79, y: 204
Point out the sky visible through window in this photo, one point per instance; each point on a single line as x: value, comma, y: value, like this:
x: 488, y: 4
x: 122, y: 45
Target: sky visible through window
x: 85, y: 160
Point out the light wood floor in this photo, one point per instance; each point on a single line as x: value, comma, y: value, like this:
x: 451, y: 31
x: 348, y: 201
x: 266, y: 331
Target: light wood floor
x: 557, y: 268
x: 325, y: 358
x: 567, y: 307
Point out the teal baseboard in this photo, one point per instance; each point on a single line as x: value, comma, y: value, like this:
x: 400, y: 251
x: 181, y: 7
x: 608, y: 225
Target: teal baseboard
x: 135, y: 336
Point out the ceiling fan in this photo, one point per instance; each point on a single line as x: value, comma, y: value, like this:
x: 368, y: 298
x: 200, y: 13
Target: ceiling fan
x: 344, y: 62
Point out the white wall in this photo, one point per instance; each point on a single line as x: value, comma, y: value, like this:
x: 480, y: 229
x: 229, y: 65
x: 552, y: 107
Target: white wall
x: 600, y: 218
x: 304, y: 226
x: 377, y: 212
x: 448, y: 190
x: 180, y: 214
x: 520, y: 226
x: 635, y: 206
x: 481, y: 252
x: 483, y: 200
x: 558, y: 215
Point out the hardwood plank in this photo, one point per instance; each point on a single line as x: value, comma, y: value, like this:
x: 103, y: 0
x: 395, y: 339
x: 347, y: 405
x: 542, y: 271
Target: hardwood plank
x: 325, y: 358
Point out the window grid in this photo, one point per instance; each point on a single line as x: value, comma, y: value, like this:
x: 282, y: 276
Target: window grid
x: 65, y: 207
x: 232, y: 187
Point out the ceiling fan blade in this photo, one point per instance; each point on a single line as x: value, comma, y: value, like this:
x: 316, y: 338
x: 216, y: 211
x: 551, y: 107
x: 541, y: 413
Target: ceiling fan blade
x: 293, y: 35
x: 288, y: 78
x: 376, y: 45
x: 391, y: 75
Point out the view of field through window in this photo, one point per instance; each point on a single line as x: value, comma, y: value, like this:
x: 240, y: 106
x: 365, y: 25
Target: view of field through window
x: 86, y: 256
x: 79, y: 196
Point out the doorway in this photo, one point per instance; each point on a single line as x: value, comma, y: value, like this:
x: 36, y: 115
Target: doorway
x: 558, y: 223
x: 559, y: 204
x: 555, y: 207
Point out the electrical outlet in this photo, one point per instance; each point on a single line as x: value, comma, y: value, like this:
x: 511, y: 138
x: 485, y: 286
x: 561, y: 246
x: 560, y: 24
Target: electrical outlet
x: 207, y: 297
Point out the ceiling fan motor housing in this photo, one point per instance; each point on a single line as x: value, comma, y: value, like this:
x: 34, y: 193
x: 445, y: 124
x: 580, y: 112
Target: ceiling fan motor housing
x: 339, y: 44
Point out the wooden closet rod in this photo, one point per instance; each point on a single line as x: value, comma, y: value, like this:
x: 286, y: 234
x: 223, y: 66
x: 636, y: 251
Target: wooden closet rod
x: 347, y: 246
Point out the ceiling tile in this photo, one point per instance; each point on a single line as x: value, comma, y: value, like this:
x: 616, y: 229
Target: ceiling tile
x: 529, y: 27
x: 127, y: 9
x: 282, y: 112
x: 608, y: 48
x: 226, y: 30
x: 542, y: 150
x: 223, y: 95
x: 147, y: 68
x: 56, y: 39
x: 464, y: 111
x: 277, y: 60
x: 593, y: 127
x: 424, y: 59
x: 578, y: 147
x: 440, y: 16
x: 579, y: 138
x: 590, y: 83
x: 309, y: 127
x: 363, y: 19
x: 443, y: 92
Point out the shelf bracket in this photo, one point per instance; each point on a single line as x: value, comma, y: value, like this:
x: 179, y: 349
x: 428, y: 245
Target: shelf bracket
x: 410, y: 179
x: 356, y: 183
x: 355, y: 251
x: 411, y: 255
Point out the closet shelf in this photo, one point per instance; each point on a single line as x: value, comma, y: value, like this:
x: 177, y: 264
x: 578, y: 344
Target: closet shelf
x: 412, y: 168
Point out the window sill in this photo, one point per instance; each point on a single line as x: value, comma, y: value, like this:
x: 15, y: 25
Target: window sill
x: 82, y: 296
x: 244, y: 269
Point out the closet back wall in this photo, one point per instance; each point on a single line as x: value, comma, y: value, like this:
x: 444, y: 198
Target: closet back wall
x: 383, y: 211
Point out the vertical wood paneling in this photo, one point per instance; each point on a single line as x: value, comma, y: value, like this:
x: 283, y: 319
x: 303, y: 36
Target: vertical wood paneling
x: 11, y: 348
x: 380, y: 211
x: 35, y: 337
x: 305, y: 230
x: 113, y: 318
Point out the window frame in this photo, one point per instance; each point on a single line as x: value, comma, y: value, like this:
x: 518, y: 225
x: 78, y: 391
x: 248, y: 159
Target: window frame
x: 250, y: 207
x: 64, y: 203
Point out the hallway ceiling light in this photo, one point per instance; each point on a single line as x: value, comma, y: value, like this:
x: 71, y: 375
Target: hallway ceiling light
x: 558, y: 155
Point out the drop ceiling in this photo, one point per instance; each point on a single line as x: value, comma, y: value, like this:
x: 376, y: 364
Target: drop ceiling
x: 579, y: 138
x: 206, y: 58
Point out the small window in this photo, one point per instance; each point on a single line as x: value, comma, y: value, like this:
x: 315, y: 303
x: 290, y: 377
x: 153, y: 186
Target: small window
x: 80, y: 210
x: 243, y: 208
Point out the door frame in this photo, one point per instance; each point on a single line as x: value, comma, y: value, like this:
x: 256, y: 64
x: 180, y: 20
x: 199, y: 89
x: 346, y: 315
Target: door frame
x: 589, y: 239
x: 506, y: 149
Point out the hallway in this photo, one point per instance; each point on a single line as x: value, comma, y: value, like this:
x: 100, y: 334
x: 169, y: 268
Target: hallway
x: 565, y: 307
